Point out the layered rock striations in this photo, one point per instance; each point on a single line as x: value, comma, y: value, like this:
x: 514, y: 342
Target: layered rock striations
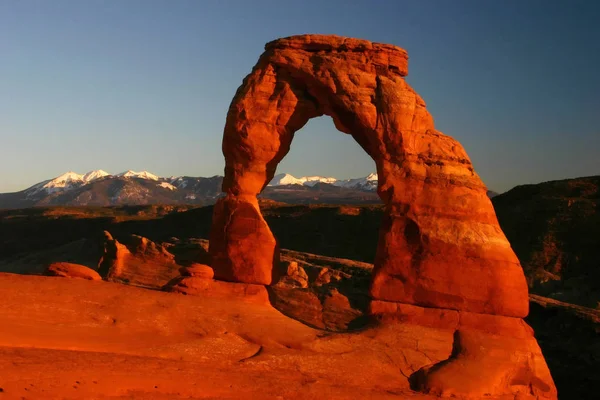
x: 442, y: 260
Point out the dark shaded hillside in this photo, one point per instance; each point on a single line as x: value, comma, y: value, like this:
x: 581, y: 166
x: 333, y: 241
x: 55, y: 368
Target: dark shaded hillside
x: 41, y: 228
x: 115, y: 191
x: 554, y: 227
x: 319, y: 193
x: 120, y: 191
x: 336, y: 231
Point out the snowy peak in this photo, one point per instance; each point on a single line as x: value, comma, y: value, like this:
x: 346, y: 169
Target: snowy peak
x: 93, y: 175
x: 71, y: 180
x: 63, y: 182
x: 367, y: 183
x: 287, y: 179
x: 141, y: 175
x: 66, y: 179
x: 313, y: 180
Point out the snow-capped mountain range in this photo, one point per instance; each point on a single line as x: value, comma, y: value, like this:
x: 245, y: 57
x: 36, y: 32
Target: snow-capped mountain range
x: 71, y: 180
x: 369, y: 182
x: 101, y: 188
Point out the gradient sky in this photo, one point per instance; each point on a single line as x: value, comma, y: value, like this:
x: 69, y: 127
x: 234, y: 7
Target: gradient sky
x: 128, y: 84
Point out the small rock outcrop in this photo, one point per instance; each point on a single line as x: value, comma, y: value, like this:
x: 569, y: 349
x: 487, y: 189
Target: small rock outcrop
x: 69, y: 270
x: 442, y: 260
x: 139, y: 261
x: 197, y: 271
x: 294, y: 275
x: 315, y: 290
x: 201, y: 286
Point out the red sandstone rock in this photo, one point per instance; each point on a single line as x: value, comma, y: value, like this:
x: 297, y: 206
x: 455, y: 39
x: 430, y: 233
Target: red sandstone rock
x: 200, y: 286
x: 68, y: 270
x: 326, y: 276
x: 322, y: 297
x: 443, y: 264
x: 295, y: 275
x: 242, y: 247
x: 491, y: 355
x: 139, y: 262
x: 197, y: 271
x: 440, y: 244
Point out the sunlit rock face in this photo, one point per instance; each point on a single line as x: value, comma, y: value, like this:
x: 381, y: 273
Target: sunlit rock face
x: 441, y: 252
x: 440, y: 243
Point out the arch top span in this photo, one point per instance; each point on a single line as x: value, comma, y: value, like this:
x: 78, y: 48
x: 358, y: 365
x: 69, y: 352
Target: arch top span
x: 357, y: 83
x: 387, y: 55
x: 440, y: 243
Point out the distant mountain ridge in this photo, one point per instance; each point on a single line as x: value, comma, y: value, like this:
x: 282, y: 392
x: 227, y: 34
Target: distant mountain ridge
x: 369, y: 182
x: 101, y: 188
x: 71, y: 180
x: 66, y: 181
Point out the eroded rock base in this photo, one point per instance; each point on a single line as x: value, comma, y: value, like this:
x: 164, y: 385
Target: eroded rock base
x: 491, y: 355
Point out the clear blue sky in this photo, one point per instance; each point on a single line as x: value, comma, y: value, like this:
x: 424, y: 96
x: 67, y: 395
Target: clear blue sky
x: 144, y: 84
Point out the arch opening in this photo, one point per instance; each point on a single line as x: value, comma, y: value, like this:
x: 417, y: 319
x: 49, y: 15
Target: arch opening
x: 324, y: 166
x: 344, y: 216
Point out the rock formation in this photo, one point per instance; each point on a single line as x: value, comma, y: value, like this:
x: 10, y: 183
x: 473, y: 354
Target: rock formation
x: 139, y: 262
x: 440, y: 243
x: 69, y: 270
x: 198, y: 271
x: 442, y: 260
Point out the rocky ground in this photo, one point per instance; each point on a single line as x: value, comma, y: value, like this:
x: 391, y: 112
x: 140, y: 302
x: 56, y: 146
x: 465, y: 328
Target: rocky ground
x: 321, y: 301
x: 76, y: 338
x: 72, y: 338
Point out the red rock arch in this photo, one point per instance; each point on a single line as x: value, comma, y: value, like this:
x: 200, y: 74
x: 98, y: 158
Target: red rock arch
x: 440, y: 244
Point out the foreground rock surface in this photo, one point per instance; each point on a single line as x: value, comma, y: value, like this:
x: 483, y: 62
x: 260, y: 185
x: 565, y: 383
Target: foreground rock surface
x: 104, y: 340
x: 567, y: 336
x: 202, y: 286
x: 490, y: 355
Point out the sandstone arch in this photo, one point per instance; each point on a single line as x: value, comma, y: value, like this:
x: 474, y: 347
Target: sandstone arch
x: 443, y: 266
x: 440, y: 244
